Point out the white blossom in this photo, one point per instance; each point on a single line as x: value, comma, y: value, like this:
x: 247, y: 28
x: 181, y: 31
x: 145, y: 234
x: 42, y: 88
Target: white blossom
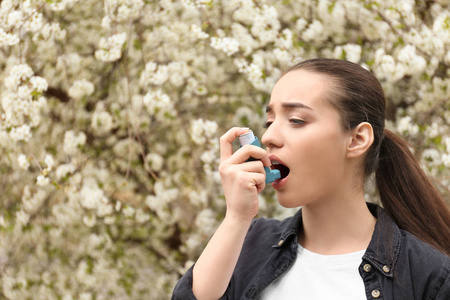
x: 228, y: 45
x: 50, y: 31
x: 155, y: 161
x: 106, y: 22
x: 205, y: 221
x: 81, y: 88
x: 141, y: 216
x: 128, y: 211
x: 154, y: 74
x: 42, y: 180
x: 91, y: 196
x: 72, y: 142
x: 161, y: 199
x: 39, y: 84
x: 413, y: 63
x: 195, y: 3
x: 23, y: 162
x: 102, y: 122
x: 32, y: 201
x: 446, y: 143
x: 90, y: 220
x: 111, y: 48
x: 432, y: 156
x: 35, y: 22
x: 3, y: 222
x: 301, y: 24
x: 18, y: 74
x: 441, y: 26
x: 314, y: 32
x: 386, y: 67
x: 22, y: 133
x: 22, y: 217
x: 351, y: 52
x: 201, y: 130
x: 199, y: 34
x: 198, y: 198
x: 14, y: 18
x: 447, y: 57
x: 406, y: 125
x: 8, y: 39
x: 49, y: 162
x: 446, y: 160
x: 285, y: 41
x: 159, y: 104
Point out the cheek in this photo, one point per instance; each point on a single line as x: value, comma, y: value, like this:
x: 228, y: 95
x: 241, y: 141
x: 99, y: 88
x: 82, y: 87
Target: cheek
x: 321, y: 154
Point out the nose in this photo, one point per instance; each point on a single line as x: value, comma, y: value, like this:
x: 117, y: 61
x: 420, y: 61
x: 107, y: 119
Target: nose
x: 273, y: 137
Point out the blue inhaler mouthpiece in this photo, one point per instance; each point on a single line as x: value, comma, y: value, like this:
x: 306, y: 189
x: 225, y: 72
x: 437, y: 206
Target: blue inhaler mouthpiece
x: 250, y: 138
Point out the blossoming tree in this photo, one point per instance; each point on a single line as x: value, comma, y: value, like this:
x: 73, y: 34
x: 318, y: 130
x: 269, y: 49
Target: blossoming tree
x: 110, y: 113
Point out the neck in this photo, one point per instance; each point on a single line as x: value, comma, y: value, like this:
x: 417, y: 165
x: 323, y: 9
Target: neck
x: 340, y: 225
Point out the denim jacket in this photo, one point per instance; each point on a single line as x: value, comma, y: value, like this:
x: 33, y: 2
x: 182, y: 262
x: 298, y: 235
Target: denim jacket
x: 396, y: 265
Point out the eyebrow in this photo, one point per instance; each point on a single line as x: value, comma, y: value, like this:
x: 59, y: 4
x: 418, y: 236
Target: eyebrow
x: 289, y: 105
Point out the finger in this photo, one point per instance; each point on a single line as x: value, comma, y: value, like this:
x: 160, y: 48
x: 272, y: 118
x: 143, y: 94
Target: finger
x: 247, y: 151
x: 260, y: 181
x: 253, y: 166
x: 226, y: 147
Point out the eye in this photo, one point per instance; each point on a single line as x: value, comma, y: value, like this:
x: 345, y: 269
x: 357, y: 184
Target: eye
x: 267, y: 124
x: 296, y: 121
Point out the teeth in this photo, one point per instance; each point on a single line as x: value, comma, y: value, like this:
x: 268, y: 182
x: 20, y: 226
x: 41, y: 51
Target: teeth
x: 275, y: 162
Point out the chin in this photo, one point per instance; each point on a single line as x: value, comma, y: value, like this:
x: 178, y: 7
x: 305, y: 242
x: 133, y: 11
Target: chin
x: 293, y: 200
x: 289, y: 203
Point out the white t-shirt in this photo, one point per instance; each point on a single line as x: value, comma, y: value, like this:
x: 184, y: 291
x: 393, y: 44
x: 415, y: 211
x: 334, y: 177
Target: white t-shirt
x: 317, y: 276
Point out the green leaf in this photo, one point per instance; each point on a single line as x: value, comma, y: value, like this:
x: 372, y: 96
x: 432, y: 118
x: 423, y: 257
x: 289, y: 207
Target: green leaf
x: 331, y: 7
x: 35, y: 94
x: 137, y: 44
x: 447, y: 23
x: 90, y: 265
x: 399, y: 42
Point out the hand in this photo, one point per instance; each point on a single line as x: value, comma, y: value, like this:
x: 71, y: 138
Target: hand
x: 241, y: 180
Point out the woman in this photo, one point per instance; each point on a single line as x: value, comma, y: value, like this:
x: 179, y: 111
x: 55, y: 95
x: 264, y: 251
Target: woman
x: 325, y: 133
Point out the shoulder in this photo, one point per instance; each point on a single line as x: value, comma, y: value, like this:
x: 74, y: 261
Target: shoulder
x: 412, y: 246
x: 424, y: 265
x: 265, y: 230
x: 264, y: 234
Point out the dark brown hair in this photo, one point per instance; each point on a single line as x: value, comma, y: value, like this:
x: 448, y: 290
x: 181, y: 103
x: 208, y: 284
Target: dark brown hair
x: 406, y: 193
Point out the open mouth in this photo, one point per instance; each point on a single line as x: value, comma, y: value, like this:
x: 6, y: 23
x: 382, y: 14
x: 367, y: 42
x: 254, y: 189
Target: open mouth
x: 284, y: 171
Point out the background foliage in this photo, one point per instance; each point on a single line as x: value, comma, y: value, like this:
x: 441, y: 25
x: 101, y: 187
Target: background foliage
x: 110, y: 113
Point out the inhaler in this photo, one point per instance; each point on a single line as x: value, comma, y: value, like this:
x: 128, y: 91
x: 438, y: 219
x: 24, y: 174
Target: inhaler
x: 250, y: 139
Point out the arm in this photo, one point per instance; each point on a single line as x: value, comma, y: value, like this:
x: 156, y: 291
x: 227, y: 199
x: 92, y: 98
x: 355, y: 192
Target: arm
x: 241, y: 181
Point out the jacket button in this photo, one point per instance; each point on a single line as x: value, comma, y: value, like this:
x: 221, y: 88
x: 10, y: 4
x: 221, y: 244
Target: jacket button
x: 376, y: 293
x: 367, y: 268
x: 280, y: 242
x: 386, y: 269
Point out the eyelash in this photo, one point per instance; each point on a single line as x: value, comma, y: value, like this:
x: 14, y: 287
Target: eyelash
x: 293, y: 121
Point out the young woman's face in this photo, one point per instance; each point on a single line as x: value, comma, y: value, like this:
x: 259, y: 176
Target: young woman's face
x: 306, y: 135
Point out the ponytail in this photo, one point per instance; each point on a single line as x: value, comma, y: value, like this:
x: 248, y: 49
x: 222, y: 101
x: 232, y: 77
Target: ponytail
x: 408, y: 196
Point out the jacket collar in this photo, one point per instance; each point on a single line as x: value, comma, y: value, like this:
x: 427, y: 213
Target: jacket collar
x: 290, y: 229
x: 383, y: 248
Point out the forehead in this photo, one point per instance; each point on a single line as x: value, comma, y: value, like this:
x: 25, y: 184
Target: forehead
x: 306, y: 87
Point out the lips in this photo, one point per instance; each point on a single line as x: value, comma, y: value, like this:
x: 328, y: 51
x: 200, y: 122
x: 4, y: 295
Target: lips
x: 279, y: 165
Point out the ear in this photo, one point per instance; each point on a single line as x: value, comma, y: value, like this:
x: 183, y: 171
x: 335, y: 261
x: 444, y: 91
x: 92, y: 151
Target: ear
x: 361, y: 140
